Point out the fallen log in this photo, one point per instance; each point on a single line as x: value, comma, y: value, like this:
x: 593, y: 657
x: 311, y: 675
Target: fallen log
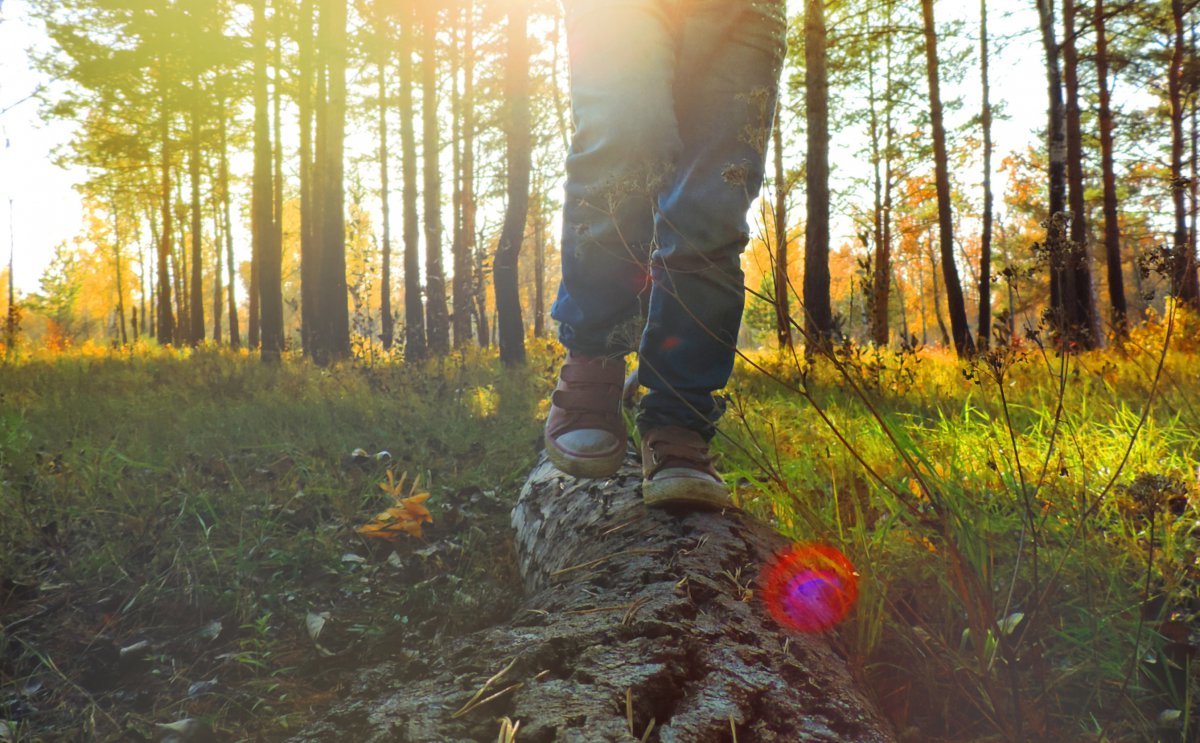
x: 637, y: 625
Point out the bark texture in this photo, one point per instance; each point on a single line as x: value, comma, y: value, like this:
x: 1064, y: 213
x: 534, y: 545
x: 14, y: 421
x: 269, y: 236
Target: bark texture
x: 620, y: 600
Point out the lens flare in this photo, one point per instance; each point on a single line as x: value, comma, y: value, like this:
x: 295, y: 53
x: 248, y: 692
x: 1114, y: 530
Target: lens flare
x: 809, y: 587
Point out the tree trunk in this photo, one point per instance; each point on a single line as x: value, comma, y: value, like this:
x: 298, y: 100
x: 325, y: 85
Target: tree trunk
x: 783, y: 312
x: 235, y: 336
x: 1112, y: 234
x: 308, y: 206
x: 474, y: 244
x: 414, y: 306
x: 509, y: 324
x: 961, y: 329
x: 196, y: 293
x: 218, y: 233
x: 166, y: 320
x: 436, y: 313
x: 881, y: 264
x: 1085, y: 328
x: 1185, y: 280
x: 632, y: 620
x: 460, y: 247
x: 385, y: 287
x: 818, y: 311
x: 262, y: 216
x: 334, y: 317
x: 539, y: 261
x: 937, y: 294
x: 984, y: 332
x: 117, y: 262
x: 1057, y: 146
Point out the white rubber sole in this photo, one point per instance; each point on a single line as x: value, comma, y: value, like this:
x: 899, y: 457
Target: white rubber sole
x: 590, y: 467
x: 686, y: 492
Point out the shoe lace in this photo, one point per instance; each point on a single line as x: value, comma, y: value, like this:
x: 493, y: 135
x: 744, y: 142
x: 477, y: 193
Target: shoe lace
x: 688, y: 450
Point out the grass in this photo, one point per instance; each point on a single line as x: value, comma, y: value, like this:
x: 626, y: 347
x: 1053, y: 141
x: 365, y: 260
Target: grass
x: 1026, y: 527
x: 195, y: 507
x: 177, y: 539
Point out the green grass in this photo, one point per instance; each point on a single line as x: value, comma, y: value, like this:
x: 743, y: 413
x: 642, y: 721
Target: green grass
x: 1001, y: 515
x: 147, y: 495
x: 1029, y: 560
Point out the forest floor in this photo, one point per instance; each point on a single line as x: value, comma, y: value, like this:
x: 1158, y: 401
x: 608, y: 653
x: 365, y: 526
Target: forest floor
x: 180, y: 553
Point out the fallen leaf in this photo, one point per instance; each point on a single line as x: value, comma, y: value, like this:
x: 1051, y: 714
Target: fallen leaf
x: 405, y: 517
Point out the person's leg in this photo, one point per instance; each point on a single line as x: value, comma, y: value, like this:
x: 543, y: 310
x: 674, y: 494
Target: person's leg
x: 622, y: 55
x: 625, y: 144
x: 730, y: 56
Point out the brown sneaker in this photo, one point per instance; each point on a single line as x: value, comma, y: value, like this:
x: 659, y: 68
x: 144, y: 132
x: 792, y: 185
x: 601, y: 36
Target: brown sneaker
x: 585, y: 433
x: 677, y: 470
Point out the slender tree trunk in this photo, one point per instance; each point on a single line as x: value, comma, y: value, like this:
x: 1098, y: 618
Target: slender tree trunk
x: 817, y: 304
x: 889, y: 151
x: 141, y: 329
x: 1194, y: 180
x: 959, y: 326
x: 1112, y: 234
x: 117, y: 261
x: 1085, y: 327
x: 235, y: 336
x: 218, y: 234
x: 385, y: 288
x: 166, y: 320
x: 334, y: 318
x: 881, y: 265
x: 937, y: 294
x: 196, y: 293
x: 1187, y: 284
x: 262, y: 217
x: 985, y: 252
x: 460, y: 250
x: 474, y: 245
x: 277, y: 176
x: 1057, y: 145
x: 414, y: 306
x: 308, y: 252
x: 783, y: 313
x: 436, y: 313
x: 539, y: 261
x: 505, y: 269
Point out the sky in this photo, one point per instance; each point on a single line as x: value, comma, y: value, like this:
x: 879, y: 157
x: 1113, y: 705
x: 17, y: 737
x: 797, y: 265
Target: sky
x: 46, y: 209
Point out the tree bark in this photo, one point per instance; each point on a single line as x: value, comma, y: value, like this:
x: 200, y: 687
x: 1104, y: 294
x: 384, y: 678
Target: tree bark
x: 262, y: 217
x: 414, y: 305
x: 1185, y: 280
x: 308, y: 219
x: 1081, y: 307
x: 783, y: 313
x: 117, y: 265
x: 984, y: 332
x: 196, y: 293
x: 818, y: 311
x: 959, y: 327
x: 235, y: 336
x: 628, y: 613
x: 1057, y: 146
x: 510, y: 326
x: 166, y: 320
x: 1112, y: 234
x: 437, y: 320
x: 334, y: 317
x: 460, y: 245
x: 385, y: 288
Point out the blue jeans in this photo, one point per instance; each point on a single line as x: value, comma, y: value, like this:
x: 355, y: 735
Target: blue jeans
x: 673, y: 102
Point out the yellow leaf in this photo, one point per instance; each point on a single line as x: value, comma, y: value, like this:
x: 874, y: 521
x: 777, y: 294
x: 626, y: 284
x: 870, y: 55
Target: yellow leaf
x: 405, y: 517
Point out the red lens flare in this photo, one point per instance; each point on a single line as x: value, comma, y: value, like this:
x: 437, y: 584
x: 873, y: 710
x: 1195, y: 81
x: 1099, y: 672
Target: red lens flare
x: 809, y: 587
